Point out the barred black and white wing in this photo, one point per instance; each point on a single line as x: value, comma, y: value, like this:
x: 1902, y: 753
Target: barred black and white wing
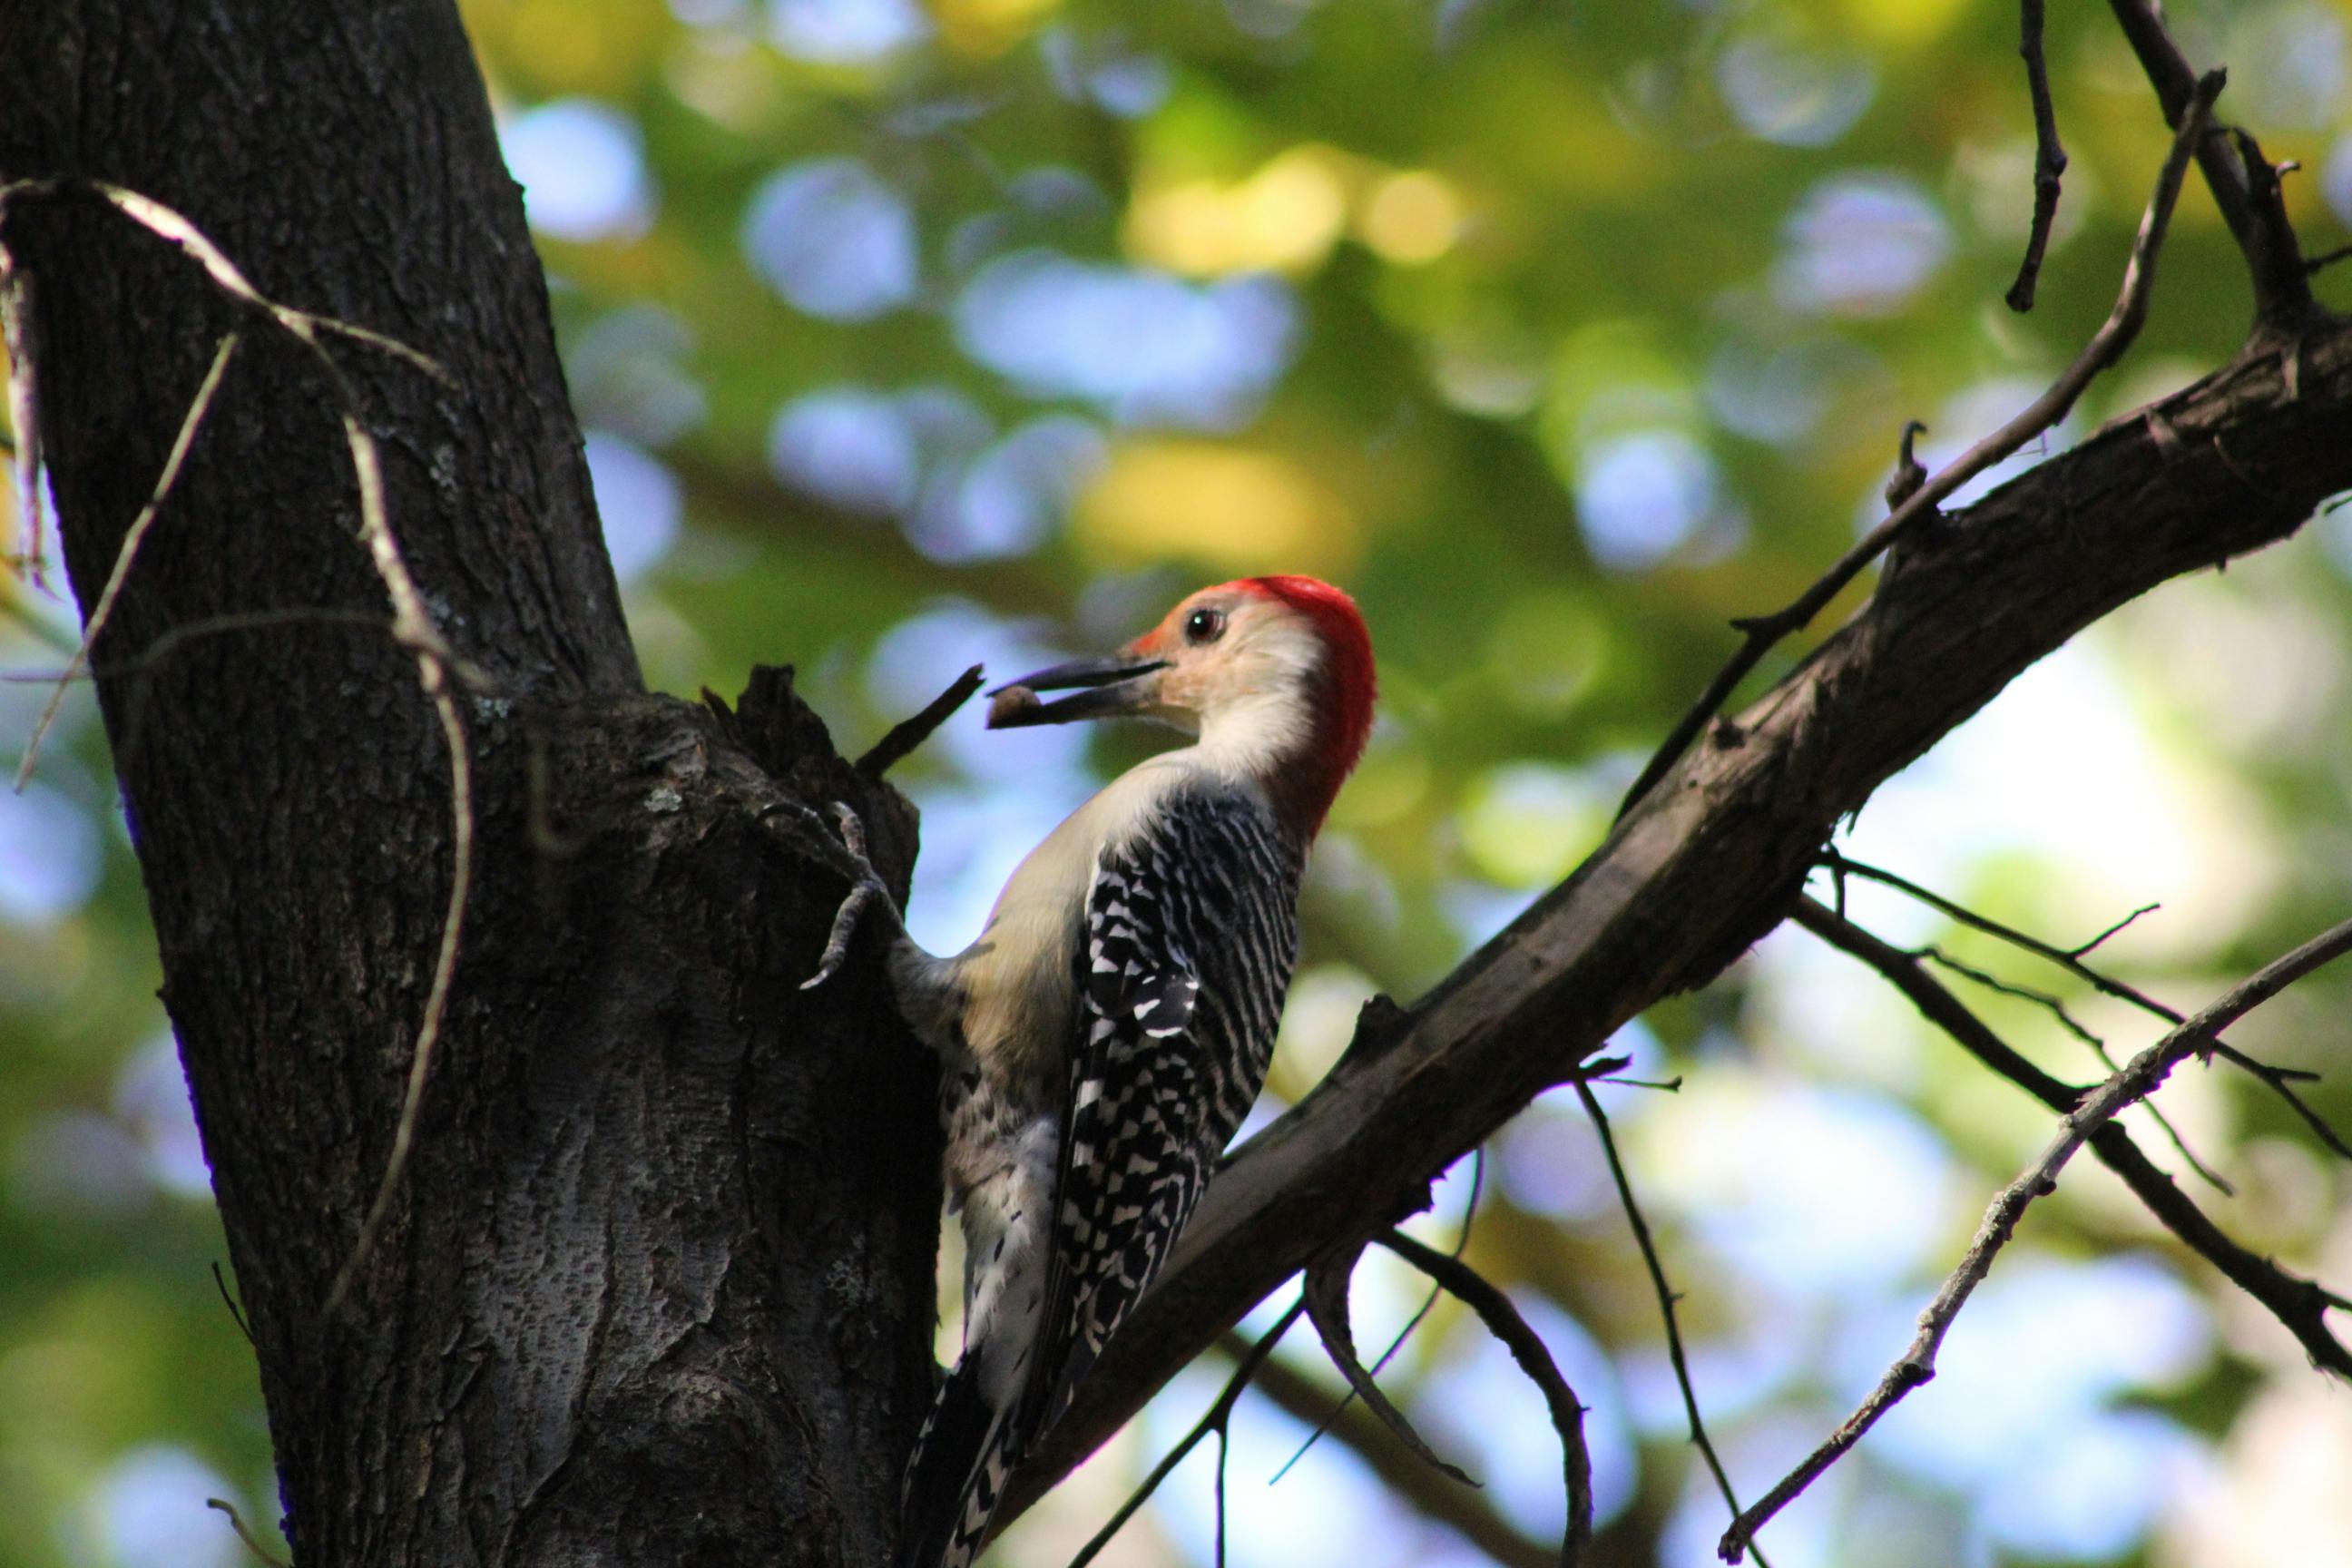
x: 1192, y: 931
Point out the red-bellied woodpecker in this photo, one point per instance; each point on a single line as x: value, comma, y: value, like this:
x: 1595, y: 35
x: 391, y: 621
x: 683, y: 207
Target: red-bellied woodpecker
x: 1111, y: 1026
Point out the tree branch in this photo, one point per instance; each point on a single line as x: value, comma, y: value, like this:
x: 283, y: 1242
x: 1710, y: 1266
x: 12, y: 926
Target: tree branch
x: 1325, y: 1292
x: 2139, y: 1078
x: 1763, y: 633
x: 2281, y: 1081
x: 1666, y: 1299
x: 909, y: 733
x: 2056, y: 1009
x: 1711, y: 860
x: 2049, y: 155
x: 1427, y: 1492
x: 1428, y: 1303
x: 1246, y: 1366
x: 1474, y: 1290
x: 2245, y: 186
x: 2300, y: 1305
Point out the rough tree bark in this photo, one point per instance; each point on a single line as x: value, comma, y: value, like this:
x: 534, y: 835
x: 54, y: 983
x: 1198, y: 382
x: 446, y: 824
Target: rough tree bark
x: 658, y: 1286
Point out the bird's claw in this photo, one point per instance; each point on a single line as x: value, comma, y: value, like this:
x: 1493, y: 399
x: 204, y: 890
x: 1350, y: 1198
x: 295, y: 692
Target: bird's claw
x: 865, y: 885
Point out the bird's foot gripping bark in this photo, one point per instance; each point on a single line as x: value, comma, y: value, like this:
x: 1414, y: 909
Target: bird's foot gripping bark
x: 865, y: 889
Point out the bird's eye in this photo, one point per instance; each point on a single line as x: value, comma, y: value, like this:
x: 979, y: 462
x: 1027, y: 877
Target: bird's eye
x: 1205, y: 625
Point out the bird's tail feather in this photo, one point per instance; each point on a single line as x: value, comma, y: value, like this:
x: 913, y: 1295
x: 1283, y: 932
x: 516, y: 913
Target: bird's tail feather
x: 956, y: 1478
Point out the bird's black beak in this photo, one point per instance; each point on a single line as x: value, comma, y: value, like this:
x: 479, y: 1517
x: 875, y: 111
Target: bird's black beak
x: 1106, y: 687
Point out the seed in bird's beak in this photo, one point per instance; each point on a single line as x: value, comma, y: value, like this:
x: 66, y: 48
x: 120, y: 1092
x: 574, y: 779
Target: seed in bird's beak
x: 1009, y: 703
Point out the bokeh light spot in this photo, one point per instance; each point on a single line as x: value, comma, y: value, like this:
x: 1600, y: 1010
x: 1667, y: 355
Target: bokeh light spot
x: 1147, y: 347
x: 832, y: 239
x: 150, y: 1507
x: 1009, y: 498
x: 1781, y: 91
x: 847, y: 445
x: 49, y: 856
x: 1283, y: 219
x: 1640, y: 496
x: 637, y: 497
x: 1861, y: 244
x: 582, y: 167
x: 845, y: 32
x: 1527, y: 824
x: 1413, y: 217
x: 1235, y: 509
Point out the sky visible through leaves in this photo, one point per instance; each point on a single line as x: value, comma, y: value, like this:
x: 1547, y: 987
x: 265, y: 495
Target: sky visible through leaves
x: 906, y: 336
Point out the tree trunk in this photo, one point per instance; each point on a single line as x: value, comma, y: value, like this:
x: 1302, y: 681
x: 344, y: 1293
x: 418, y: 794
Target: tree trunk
x: 656, y: 1284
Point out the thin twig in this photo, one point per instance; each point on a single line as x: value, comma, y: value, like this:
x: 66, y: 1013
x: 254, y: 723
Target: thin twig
x: 412, y: 622
x: 1214, y: 1420
x: 176, y: 229
x: 411, y: 625
x: 2049, y: 156
x: 2141, y: 1078
x: 1463, y: 1512
x: 2056, y: 1007
x: 2049, y: 1002
x: 2325, y: 260
x: 909, y: 733
x: 2281, y: 1081
x: 1502, y: 1319
x: 1217, y: 1490
x: 1428, y: 1303
x: 24, y: 418
x: 169, y: 642
x: 1666, y: 1298
x: 132, y: 539
x: 2106, y: 347
x: 2124, y: 924
x: 2300, y: 1305
x: 2067, y: 958
x: 1325, y: 1292
x: 2244, y: 187
x: 236, y: 1312
x: 236, y: 1522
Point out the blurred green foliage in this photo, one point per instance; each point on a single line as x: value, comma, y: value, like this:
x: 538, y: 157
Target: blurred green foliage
x: 1559, y: 333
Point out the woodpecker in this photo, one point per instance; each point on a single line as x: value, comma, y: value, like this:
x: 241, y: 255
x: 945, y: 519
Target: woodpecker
x: 1112, y: 1025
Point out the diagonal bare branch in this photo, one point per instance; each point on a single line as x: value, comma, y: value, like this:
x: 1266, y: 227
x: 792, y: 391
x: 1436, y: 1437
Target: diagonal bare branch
x: 1666, y: 1299
x: 2281, y: 1081
x: 135, y: 535
x: 2056, y: 1007
x: 1213, y: 1421
x: 2300, y: 1305
x: 909, y: 733
x: 2141, y: 1076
